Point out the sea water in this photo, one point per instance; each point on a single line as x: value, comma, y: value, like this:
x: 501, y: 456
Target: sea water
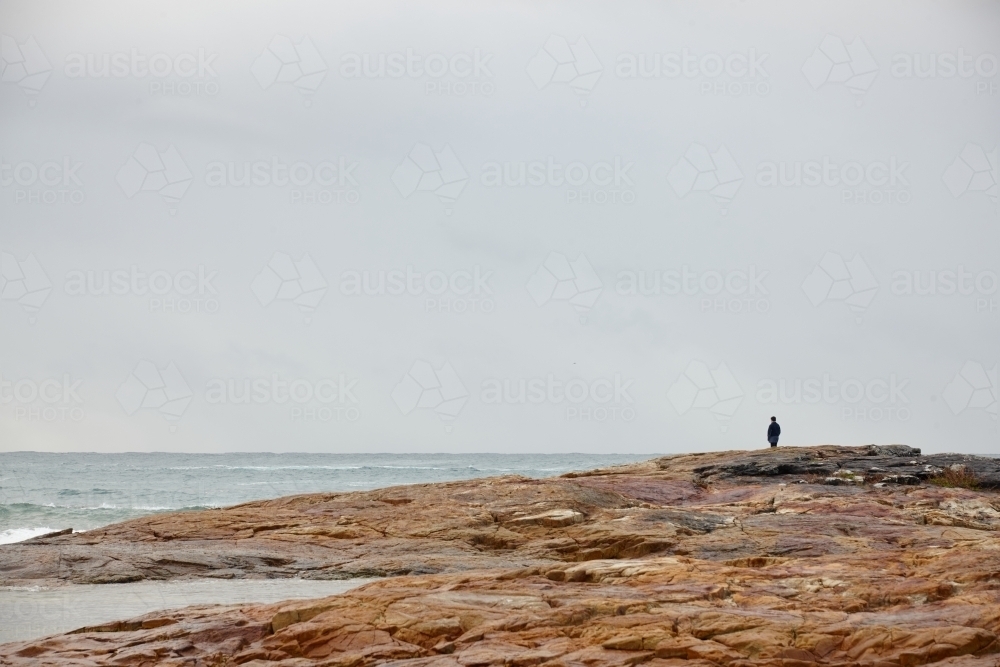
x: 31, y: 612
x: 41, y: 492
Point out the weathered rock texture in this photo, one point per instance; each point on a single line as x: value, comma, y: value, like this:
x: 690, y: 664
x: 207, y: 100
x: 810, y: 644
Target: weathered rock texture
x: 731, y: 559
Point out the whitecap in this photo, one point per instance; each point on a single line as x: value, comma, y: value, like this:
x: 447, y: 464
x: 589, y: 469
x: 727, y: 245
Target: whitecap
x: 12, y: 535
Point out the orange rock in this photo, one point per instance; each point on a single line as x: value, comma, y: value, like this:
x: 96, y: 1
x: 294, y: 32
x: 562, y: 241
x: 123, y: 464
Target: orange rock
x: 713, y: 560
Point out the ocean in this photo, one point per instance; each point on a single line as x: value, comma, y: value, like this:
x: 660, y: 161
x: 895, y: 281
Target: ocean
x: 43, y: 492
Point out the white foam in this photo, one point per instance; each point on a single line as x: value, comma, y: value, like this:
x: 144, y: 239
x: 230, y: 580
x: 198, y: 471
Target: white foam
x: 13, y: 535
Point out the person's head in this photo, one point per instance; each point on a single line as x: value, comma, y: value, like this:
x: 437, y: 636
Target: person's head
x: 774, y: 419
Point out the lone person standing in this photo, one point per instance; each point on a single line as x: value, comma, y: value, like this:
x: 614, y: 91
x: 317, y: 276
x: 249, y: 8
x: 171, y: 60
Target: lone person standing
x: 773, y: 431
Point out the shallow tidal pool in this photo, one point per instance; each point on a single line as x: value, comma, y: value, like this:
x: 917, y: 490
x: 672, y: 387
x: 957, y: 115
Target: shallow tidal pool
x: 30, y: 613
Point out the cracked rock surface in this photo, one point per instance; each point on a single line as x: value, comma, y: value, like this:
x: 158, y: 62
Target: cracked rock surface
x: 726, y: 558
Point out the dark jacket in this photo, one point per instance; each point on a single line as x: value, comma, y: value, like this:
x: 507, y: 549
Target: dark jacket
x: 773, y: 431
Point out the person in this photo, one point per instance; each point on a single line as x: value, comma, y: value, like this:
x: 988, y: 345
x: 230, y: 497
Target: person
x: 773, y: 431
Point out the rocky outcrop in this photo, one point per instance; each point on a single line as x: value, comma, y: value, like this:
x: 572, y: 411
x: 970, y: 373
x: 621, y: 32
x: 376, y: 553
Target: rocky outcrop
x: 688, y: 504
x: 874, y: 461
x: 732, y: 558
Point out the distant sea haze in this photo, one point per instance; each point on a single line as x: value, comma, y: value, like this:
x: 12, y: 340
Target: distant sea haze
x: 43, y: 492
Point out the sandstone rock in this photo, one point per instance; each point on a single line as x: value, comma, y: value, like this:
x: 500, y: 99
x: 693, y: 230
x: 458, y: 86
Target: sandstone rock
x: 552, y: 519
x: 687, y: 561
x: 908, y: 480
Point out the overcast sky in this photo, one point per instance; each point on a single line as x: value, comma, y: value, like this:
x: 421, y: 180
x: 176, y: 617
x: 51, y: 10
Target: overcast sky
x: 498, y: 226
